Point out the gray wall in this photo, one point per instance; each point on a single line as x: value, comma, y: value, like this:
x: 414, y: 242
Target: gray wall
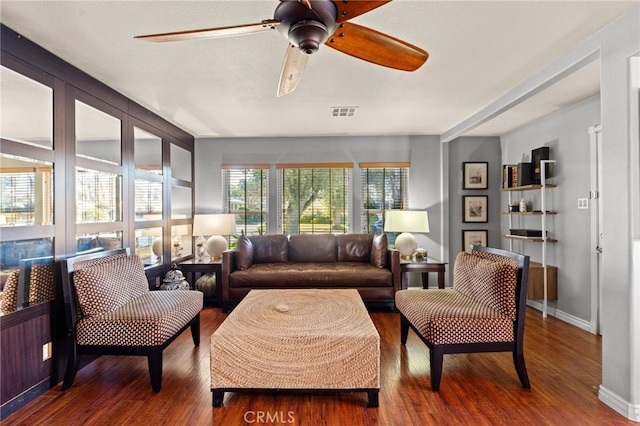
x: 472, y: 149
x: 425, y: 176
x: 566, y: 135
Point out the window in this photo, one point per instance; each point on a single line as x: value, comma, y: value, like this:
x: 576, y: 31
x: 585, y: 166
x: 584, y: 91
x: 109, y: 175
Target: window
x: 246, y: 194
x: 98, y: 196
x: 384, y: 187
x: 26, y: 191
x: 314, y: 198
x: 148, y: 181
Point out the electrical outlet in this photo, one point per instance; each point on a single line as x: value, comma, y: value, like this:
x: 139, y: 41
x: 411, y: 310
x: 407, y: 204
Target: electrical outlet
x: 583, y: 203
x: 46, y: 351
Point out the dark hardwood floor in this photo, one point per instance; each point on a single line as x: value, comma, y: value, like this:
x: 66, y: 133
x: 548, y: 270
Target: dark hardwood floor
x: 564, y: 365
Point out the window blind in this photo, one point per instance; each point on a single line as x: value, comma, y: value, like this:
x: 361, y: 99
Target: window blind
x: 246, y: 194
x: 98, y: 196
x: 314, y: 198
x: 384, y: 187
x: 26, y: 196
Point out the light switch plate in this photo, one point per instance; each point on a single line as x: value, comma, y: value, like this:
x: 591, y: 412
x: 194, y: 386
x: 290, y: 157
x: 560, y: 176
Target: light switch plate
x: 583, y: 203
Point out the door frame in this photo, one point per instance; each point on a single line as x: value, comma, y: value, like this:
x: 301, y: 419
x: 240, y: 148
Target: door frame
x: 595, y: 206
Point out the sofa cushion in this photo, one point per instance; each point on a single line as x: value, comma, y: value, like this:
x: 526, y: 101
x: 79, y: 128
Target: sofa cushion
x: 379, y: 249
x: 311, y: 275
x: 244, y: 254
x: 354, y: 247
x: 106, y: 286
x: 270, y: 248
x: 312, y: 248
x: 486, y: 281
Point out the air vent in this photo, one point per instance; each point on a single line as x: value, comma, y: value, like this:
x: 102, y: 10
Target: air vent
x: 343, y: 111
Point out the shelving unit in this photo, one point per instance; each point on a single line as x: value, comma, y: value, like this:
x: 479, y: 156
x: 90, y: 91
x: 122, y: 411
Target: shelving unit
x: 543, y: 213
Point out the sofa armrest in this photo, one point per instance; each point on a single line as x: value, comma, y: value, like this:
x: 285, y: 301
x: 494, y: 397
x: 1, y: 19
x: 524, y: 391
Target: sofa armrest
x: 228, y: 266
x: 393, y: 261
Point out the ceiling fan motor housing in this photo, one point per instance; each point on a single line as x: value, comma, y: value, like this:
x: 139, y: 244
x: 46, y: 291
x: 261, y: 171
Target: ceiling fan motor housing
x: 306, y: 28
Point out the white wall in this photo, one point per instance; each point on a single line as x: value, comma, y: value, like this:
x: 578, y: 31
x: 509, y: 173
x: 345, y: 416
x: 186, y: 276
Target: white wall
x: 619, y: 42
x: 566, y: 135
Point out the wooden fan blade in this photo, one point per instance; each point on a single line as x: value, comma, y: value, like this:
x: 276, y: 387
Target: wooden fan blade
x: 376, y: 47
x: 350, y: 9
x: 294, y: 64
x: 212, y: 32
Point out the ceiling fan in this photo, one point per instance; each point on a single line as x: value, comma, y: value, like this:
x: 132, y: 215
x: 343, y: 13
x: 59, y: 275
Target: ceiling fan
x: 307, y: 24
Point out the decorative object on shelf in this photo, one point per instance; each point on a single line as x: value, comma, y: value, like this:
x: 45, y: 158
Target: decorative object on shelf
x: 523, y: 206
x: 420, y: 255
x: 514, y: 207
x: 524, y: 174
x: 174, y: 280
x: 474, y: 208
x: 475, y: 237
x: 207, y: 284
x: 405, y: 222
x: 216, y: 226
x: 474, y: 175
x: 538, y: 155
x: 509, y: 175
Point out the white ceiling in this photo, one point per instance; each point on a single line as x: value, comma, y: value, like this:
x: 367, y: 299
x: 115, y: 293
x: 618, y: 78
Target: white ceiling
x: 227, y: 87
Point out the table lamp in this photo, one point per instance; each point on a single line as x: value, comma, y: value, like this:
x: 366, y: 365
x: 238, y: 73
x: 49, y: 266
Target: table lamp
x: 216, y: 226
x: 406, y: 222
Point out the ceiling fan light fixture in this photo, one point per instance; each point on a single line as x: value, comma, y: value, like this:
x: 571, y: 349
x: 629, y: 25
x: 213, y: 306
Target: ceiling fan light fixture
x: 308, y: 36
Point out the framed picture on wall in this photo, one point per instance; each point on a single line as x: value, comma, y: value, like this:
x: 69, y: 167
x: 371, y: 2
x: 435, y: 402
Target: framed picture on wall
x: 474, y: 208
x: 474, y: 175
x: 476, y: 237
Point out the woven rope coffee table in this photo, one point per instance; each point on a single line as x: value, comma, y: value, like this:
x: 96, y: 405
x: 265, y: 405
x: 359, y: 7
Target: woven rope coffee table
x: 297, y: 340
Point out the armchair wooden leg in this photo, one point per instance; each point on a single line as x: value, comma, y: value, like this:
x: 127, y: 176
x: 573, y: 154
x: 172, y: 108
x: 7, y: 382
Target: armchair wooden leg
x: 195, y: 330
x: 518, y: 360
x: 72, y: 367
x: 154, y: 360
x: 435, y: 361
x: 404, y: 329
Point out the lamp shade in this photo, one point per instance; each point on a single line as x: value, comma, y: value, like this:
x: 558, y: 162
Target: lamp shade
x: 406, y: 221
x: 214, y: 224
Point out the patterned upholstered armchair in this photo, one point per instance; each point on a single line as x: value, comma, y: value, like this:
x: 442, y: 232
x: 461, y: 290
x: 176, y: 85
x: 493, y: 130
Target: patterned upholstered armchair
x: 31, y: 284
x: 111, y: 311
x: 484, y: 311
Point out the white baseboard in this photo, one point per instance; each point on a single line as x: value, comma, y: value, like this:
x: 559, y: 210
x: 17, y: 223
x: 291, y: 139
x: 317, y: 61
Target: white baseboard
x: 563, y: 316
x: 627, y: 409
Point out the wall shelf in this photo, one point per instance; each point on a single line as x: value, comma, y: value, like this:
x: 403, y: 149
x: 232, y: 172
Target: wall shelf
x: 527, y: 187
x: 542, y: 214
x: 532, y: 239
x: 529, y: 213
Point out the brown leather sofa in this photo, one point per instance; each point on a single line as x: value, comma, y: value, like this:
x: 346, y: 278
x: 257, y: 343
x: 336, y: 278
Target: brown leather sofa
x: 360, y: 261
